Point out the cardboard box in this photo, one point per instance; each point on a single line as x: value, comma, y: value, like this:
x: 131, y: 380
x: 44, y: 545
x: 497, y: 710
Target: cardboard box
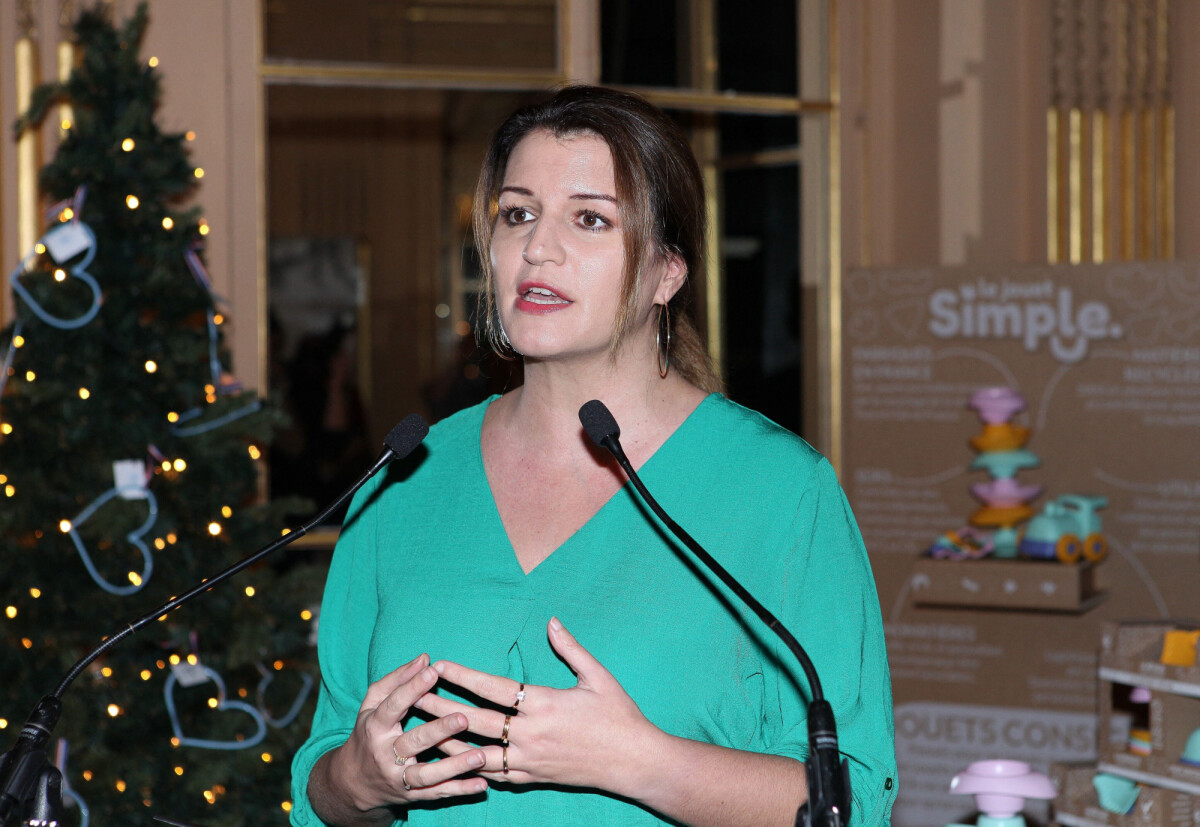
x: 1021, y: 585
x: 1130, y: 656
x: 1077, y: 804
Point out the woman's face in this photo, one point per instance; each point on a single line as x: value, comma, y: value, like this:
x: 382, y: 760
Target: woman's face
x: 558, y: 248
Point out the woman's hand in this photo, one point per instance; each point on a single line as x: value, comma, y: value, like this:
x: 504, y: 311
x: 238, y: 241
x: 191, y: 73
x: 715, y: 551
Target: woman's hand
x: 377, y: 766
x: 585, y: 736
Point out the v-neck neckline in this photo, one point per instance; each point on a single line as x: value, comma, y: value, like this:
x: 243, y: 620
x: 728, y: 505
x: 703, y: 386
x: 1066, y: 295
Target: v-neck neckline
x: 510, y: 550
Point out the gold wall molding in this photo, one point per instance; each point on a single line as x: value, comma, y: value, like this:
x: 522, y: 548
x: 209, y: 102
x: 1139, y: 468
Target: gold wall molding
x: 27, y: 76
x: 1110, y: 131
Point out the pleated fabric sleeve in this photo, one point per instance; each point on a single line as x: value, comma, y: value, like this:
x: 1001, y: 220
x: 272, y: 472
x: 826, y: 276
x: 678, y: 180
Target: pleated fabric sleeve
x: 343, y: 644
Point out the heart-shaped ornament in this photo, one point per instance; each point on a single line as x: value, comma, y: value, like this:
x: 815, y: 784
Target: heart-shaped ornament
x: 223, y: 705
x: 268, y: 677
x: 134, y: 538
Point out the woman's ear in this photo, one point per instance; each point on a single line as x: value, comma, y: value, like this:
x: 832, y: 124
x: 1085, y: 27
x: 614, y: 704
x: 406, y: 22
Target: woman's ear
x: 672, y: 278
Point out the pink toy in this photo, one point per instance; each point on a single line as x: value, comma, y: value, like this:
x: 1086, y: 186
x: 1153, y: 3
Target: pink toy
x: 1001, y: 787
x: 996, y: 405
x: 1005, y: 492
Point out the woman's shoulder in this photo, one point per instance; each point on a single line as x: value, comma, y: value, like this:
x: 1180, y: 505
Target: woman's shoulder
x: 461, y: 426
x: 450, y: 450
x: 737, y: 431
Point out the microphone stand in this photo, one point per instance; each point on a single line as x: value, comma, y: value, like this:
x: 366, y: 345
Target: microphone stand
x: 828, y: 774
x: 28, y: 781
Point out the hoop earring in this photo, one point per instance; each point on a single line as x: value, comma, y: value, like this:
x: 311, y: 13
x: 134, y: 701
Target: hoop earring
x: 662, y: 340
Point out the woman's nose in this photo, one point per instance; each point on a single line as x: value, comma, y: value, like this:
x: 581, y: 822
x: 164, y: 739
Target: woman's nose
x: 544, y: 246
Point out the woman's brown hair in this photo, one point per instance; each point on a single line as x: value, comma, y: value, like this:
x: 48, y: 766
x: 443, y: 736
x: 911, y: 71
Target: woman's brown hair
x: 661, y: 196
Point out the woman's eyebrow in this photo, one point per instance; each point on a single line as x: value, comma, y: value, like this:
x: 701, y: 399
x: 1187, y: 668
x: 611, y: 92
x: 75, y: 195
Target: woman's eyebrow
x: 579, y: 196
x: 593, y: 196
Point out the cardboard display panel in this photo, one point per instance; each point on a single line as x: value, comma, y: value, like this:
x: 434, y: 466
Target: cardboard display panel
x: 998, y: 659
x: 1078, y: 804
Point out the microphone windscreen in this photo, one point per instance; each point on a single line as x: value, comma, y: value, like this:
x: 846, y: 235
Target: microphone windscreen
x: 406, y: 436
x: 598, y: 422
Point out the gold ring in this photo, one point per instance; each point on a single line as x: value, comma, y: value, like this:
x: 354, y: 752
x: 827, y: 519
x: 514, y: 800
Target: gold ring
x: 504, y: 734
x: 520, y: 696
x: 399, y: 760
x: 504, y: 757
x: 403, y: 777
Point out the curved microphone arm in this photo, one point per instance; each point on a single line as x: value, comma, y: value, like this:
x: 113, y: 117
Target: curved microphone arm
x: 828, y: 802
x: 26, y: 775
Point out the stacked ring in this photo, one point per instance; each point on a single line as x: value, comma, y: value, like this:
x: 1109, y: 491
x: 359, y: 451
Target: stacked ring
x: 404, y: 778
x: 504, y: 757
x: 504, y: 733
x: 520, y: 696
x: 399, y: 761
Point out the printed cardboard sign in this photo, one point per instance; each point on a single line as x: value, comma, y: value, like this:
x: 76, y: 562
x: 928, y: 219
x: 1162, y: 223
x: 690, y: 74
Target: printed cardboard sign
x: 1107, y: 359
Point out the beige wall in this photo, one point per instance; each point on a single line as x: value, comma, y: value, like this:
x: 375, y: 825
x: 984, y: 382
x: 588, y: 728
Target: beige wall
x: 943, y: 159
x: 944, y: 118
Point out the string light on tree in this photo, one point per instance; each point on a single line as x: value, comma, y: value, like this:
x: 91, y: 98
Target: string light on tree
x: 136, y: 176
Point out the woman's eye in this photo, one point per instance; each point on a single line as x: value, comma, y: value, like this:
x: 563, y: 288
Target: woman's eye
x: 515, y: 215
x: 593, y: 221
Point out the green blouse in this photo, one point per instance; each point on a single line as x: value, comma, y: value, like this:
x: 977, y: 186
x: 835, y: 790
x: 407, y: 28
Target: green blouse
x: 424, y: 565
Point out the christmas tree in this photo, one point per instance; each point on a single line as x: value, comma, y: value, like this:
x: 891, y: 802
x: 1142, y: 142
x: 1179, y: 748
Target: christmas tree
x: 116, y: 355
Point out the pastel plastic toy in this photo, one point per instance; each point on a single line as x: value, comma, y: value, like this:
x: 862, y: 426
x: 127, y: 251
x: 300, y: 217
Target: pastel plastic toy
x: 999, y: 448
x: 996, y: 405
x: 1000, y: 789
x: 1115, y: 793
x: 1005, y: 492
x: 1067, y: 529
x: 1179, y: 647
x: 1001, y: 453
x: 1191, y: 750
x: 965, y: 544
x: 1001, y: 464
x: 1000, y: 438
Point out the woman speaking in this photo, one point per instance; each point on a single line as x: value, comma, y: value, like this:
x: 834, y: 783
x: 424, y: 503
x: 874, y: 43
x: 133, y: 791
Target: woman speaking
x: 508, y: 636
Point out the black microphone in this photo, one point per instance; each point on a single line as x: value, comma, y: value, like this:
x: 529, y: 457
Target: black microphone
x: 27, y: 779
x: 828, y: 773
